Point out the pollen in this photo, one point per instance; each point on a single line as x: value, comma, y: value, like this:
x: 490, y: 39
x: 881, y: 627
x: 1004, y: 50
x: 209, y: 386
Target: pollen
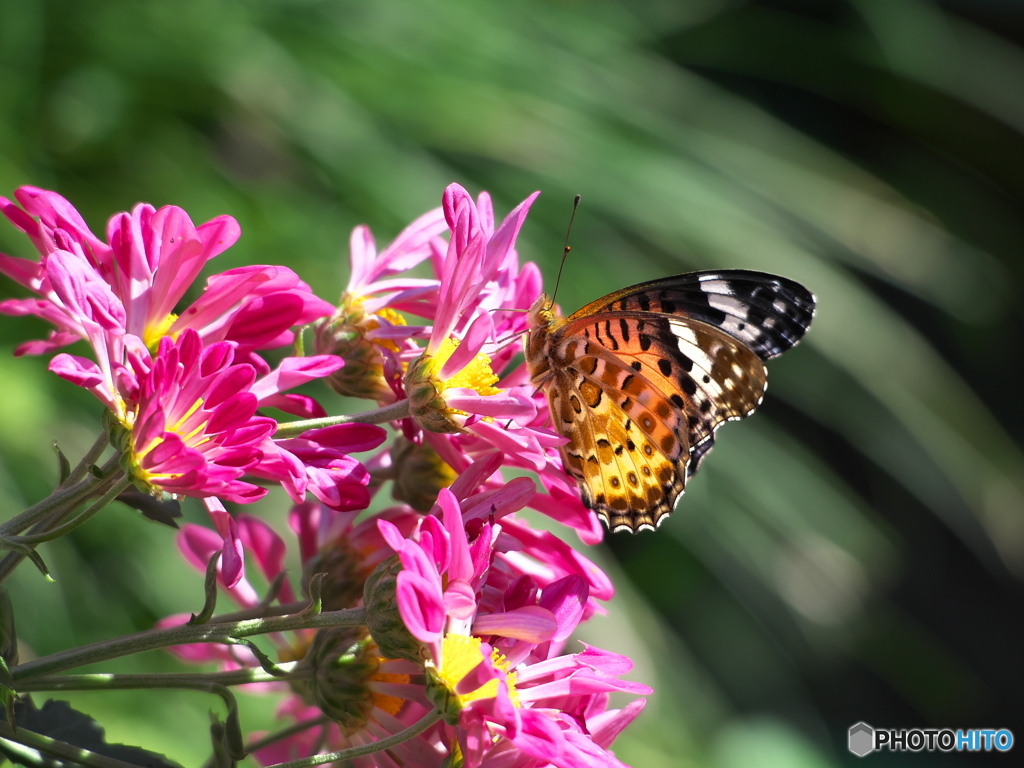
x: 477, y: 375
x: 461, y: 654
x: 156, y: 331
x: 392, y: 317
x: 425, y: 387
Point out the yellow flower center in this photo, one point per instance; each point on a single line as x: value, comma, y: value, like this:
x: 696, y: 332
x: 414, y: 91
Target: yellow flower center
x: 425, y: 387
x: 139, y: 452
x: 372, y: 324
x: 477, y: 375
x: 461, y: 654
x: 153, y: 333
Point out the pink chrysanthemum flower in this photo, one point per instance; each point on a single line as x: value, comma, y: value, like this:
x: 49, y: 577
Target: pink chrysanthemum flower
x: 367, y: 328
x: 190, y: 424
x: 377, y: 697
x: 452, y: 387
x: 484, y: 496
x: 465, y: 409
x: 152, y: 259
x: 492, y: 650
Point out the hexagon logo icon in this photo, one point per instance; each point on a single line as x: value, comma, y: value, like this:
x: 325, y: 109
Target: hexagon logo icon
x: 861, y: 739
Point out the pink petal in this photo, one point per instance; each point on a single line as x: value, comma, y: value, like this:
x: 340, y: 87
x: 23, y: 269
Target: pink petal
x: 23, y: 271
x: 604, y: 661
x: 218, y: 234
x: 349, y: 438
x: 567, y: 600
x: 232, y: 561
x: 461, y: 565
x: 606, y: 726
x: 504, y: 239
x: 264, y: 543
x: 362, y: 253
x: 435, y: 541
x: 531, y: 623
x: 478, y: 334
x: 504, y: 405
x: 479, y: 675
x: 541, y: 738
x: 421, y: 606
x: 78, y: 370
x: 475, y: 474
x: 460, y: 600
x: 295, y: 371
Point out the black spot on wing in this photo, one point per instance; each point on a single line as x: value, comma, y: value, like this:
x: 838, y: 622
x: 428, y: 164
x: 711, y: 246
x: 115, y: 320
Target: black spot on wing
x: 766, y: 312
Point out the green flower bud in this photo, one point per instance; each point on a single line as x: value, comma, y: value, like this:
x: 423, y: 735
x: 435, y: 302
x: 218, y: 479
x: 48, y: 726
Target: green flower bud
x: 382, y: 617
x: 345, y: 335
x: 420, y: 474
x: 345, y: 576
x: 342, y: 661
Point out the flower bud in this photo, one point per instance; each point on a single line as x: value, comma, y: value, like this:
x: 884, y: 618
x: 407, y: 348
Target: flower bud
x: 382, y: 617
x: 426, y: 403
x: 343, y: 660
x: 420, y: 474
x: 346, y: 334
x: 345, y: 576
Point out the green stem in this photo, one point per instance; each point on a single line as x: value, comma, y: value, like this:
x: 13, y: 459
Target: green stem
x: 68, y: 753
x: 152, y: 639
x: 393, y: 412
x: 75, y: 487
x: 260, y: 611
x: 188, y: 681
x: 90, y: 458
x: 109, y: 475
x: 65, y: 496
x: 70, y: 525
x: 284, y: 733
x: 366, y: 749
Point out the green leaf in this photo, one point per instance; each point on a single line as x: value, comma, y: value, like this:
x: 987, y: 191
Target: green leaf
x: 210, y: 588
x: 63, y: 465
x: 163, y: 512
x: 59, y: 721
x: 221, y: 751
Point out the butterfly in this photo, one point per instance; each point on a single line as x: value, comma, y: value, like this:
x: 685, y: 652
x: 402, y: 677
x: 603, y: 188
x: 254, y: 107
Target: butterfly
x: 639, y: 380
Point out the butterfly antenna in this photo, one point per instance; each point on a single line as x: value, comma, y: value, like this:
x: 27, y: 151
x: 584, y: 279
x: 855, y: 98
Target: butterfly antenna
x: 500, y: 342
x: 565, y: 250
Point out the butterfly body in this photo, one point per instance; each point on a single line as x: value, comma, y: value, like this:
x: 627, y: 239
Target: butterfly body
x: 639, y: 380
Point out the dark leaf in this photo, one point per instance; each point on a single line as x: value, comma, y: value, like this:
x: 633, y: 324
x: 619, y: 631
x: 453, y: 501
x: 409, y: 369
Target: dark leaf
x: 164, y: 512
x: 8, y: 634
x: 58, y: 720
x: 63, y: 465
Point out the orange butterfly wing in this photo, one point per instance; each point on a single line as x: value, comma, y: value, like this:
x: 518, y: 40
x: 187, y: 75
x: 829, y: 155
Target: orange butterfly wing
x: 639, y: 380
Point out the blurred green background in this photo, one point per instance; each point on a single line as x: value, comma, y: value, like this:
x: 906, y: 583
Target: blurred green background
x: 852, y: 552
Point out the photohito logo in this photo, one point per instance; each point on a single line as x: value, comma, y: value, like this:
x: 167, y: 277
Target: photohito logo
x: 863, y: 739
